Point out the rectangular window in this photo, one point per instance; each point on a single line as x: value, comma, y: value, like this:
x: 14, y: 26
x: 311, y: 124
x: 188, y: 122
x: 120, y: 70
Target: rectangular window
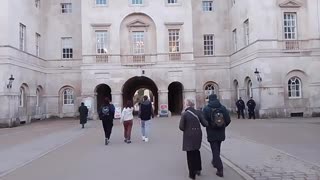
x: 38, y: 36
x: 138, y: 42
x: 66, y: 8
x: 101, y: 42
x: 172, y: 1
x: 174, y: 40
x: 136, y: 2
x: 235, y: 43
x: 37, y: 3
x: 246, y: 32
x: 101, y: 2
x: 208, y: 44
x: 67, y: 51
x: 22, y: 37
x: 207, y: 6
x: 290, y: 26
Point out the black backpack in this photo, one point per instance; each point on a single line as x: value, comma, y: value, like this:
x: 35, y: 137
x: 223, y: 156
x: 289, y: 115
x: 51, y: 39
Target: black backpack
x: 217, y: 119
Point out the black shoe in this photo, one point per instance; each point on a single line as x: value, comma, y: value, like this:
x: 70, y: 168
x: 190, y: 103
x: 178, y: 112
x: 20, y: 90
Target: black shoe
x: 106, y: 142
x: 128, y: 141
x: 198, y: 173
x: 192, y: 176
x: 219, y: 173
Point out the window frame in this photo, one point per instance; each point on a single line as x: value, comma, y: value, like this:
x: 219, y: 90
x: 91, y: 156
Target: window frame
x: 208, y: 49
x: 235, y: 40
x: 286, y: 24
x: 295, y: 90
x: 38, y: 41
x: 141, y: 49
x: 68, y: 96
x: 246, y: 31
x: 22, y: 37
x: 210, y: 88
x: 101, y: 5
x: 66, y: 8
x: 69, y: 50
x: 136, y: 4
x: 105, y: 44
x: 207, y: 8
x: 37, y: 3
x: 174, y: 35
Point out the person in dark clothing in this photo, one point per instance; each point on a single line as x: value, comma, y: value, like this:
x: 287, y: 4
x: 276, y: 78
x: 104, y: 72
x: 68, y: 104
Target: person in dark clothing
x: 106, y: 114
x: 145, y: 114
x: 192, y: 137
x: 240, y: 108
x: 216, y: 135
x: 251, y: 106
x: 83, y: 110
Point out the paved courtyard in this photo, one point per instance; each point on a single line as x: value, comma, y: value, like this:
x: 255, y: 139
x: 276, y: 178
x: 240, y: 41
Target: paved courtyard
x: 285, y: 149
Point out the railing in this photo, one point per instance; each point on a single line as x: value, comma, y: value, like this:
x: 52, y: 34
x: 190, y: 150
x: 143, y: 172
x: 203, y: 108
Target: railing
x: 175, y: 56
x: 102, y: 58
x: 291, y: 45
x: 137, y: 59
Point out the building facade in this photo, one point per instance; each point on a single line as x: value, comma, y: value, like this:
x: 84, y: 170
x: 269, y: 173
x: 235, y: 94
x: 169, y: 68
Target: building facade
x: 64, y: 52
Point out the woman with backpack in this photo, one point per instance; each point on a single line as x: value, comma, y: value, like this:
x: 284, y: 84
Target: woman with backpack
x: 106, y: 114
x: 127, y: 120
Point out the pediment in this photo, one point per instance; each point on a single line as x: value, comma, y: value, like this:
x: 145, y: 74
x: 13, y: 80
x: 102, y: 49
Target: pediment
x: 290, y: 4
x: 137, y: 23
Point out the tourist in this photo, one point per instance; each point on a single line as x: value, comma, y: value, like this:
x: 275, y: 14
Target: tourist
x: 83, y: 110
x: 240, y: 108
x: 145, y: 114
x: 127, y: 120
x: 106, y: 114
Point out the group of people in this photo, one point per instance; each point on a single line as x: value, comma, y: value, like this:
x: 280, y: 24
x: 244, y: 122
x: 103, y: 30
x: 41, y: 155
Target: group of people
x: 251, y: 104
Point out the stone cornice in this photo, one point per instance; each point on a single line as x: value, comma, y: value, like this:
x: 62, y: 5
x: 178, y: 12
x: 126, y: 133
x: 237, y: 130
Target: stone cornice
x: 290, y: 4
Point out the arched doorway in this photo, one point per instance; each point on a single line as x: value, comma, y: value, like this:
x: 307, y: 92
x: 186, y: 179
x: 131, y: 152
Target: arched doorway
x: 102, y: 91
x: 175, y: 97
x: 141, y: 84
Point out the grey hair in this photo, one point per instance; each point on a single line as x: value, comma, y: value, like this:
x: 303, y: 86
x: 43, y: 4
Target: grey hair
x: 190, y: 102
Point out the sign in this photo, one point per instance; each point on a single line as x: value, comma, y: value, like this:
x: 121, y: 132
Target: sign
x: 164, y: 111
x: 117, y: 113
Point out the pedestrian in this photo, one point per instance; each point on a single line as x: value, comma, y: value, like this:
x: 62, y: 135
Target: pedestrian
x: 106, y: 114
x: 240, y: 107
x: 251, y: 106
x: 127, y: 120
x: 83, y: 110
x: 145, y: 114
x: 192, y: 137
x: 218, y: 118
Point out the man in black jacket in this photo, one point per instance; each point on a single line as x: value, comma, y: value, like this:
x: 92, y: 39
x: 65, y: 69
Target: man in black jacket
x: 215, y: 135
x: 240, y: 108
x: 106, y: 114
x: 145, y: 114
x: 251, y: 106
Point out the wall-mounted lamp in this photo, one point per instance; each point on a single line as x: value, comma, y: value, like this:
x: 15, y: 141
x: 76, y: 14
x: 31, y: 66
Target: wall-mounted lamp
x: 9, y: 86
x: 257, y: 73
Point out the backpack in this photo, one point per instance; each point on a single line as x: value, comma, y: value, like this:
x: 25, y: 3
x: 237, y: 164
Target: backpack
x: 105, y: 111
x: 217, y: 119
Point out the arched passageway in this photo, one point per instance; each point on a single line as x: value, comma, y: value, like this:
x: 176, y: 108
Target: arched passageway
x: 102, y: 92
x: 175, y: 97
x: 139, y: 85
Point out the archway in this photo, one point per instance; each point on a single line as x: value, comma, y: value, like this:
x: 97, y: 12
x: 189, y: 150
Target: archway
x: 142, y: 83
x: 175, y: 97
x: 102, y: 91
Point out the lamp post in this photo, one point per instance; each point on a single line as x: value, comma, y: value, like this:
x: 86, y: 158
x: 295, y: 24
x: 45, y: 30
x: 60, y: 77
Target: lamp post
x: 11, y: 79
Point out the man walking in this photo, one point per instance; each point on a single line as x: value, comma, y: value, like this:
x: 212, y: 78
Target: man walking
x: 251, y: 106
x: 240, y: 108
x: 106, y: 114
x: 83, y: 110
x: 218, y: 117
x: 145, y: 114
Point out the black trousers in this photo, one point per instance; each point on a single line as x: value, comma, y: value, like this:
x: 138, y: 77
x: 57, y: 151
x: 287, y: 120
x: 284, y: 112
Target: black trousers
x: 194, y: 162
x: 107, y: 127
x: 240, y: 112
x: 215, y: 149
x: 251, y: 114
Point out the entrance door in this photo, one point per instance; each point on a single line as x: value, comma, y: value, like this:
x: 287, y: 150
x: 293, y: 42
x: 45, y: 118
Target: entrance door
x: 102, y: 91
x: 175, y: 98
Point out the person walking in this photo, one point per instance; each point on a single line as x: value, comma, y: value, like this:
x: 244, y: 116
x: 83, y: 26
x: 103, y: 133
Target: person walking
x: 192, y: 137
x: 145, y: 114
x: 218, y: 117
x: 251, y: 106
x: 83, y: 110
x: 127, y: 120
x: 106, y: 114
x: 240, y: 108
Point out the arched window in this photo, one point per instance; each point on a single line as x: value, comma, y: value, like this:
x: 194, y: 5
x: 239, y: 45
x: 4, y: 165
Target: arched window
x: 294, y: 88
x: 236, y: 89
x: 38, y: 97
x: 21, y: 97
x: 68, y: 96
x: 249, y: 89
x: 210, y: 88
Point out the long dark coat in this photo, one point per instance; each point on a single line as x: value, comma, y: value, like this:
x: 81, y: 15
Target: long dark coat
x: 83, y: 110
x: 216, y: 134
x: 190, y: 125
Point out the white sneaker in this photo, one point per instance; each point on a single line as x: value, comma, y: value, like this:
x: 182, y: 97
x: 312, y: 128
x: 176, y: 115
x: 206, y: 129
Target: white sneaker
x: 146, y: 139
x: 143, y: 138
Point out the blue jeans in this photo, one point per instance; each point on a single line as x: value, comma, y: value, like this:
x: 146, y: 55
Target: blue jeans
x: 145, y: 128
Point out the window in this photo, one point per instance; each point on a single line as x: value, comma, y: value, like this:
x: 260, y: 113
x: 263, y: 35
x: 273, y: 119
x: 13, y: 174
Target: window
x: 135, y: 2
x: 290, y: 26
x: 249, y: 89
x: 207, y: 6
x: 21, y: 97
x: 22, y: 37
x: 172, y: 1
x: 174, y: 40
x: 138, y: 42
x: 246, y: 32
x: 208, y: 44
x: 66, y: 8
x: 234, y: 34
x: 38, y: 36
x: 101, y: 2
x: 101, y: 44
x: 37, y: 3
x: 38, y: 97
x: 294, y: 88
x: 68, y: 96
x: 67, y: 51
x: 209, y: 88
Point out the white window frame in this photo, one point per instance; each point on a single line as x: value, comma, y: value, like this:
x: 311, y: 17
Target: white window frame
x: 21, y: 97
x: 22, y: 37
x: 207, y: 6
x: 138, y: 42
x: 235, y: 40
x: 101, y: 2
x: 209, y: 88
x: 136, y: 2
x: 174, y: 40
x: 101, y: 41
x: 246, y: 28
x: 172, y: 1
x: 66, y: 8
x: 68, y: 96
x: 290, y: 25
x: 249, y: 89
x: 67, y: 48
x: 208, y: 44
x: 294, y: 90
x: 38, y: 40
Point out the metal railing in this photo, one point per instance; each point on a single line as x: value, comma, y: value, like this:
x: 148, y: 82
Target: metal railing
x: 175, y: 56
x: 291, y: 45
x: 102, y: 58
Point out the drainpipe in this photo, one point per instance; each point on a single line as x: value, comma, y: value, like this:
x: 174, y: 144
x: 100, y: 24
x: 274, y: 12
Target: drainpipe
x: 318, y: 4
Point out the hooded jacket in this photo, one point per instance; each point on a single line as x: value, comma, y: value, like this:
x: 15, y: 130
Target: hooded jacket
x: 146, y: 110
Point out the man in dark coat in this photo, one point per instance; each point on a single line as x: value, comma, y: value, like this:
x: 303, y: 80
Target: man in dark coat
x: 145, y: 114
x: 106, y: 114
x: 240, y: 108
x: 251, y: 106
x: 216, y: 135
x: 83, y: 110
x: 192, y: 137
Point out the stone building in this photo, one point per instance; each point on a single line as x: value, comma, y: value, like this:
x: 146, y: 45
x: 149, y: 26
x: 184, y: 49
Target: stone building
x: 64, y: 52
